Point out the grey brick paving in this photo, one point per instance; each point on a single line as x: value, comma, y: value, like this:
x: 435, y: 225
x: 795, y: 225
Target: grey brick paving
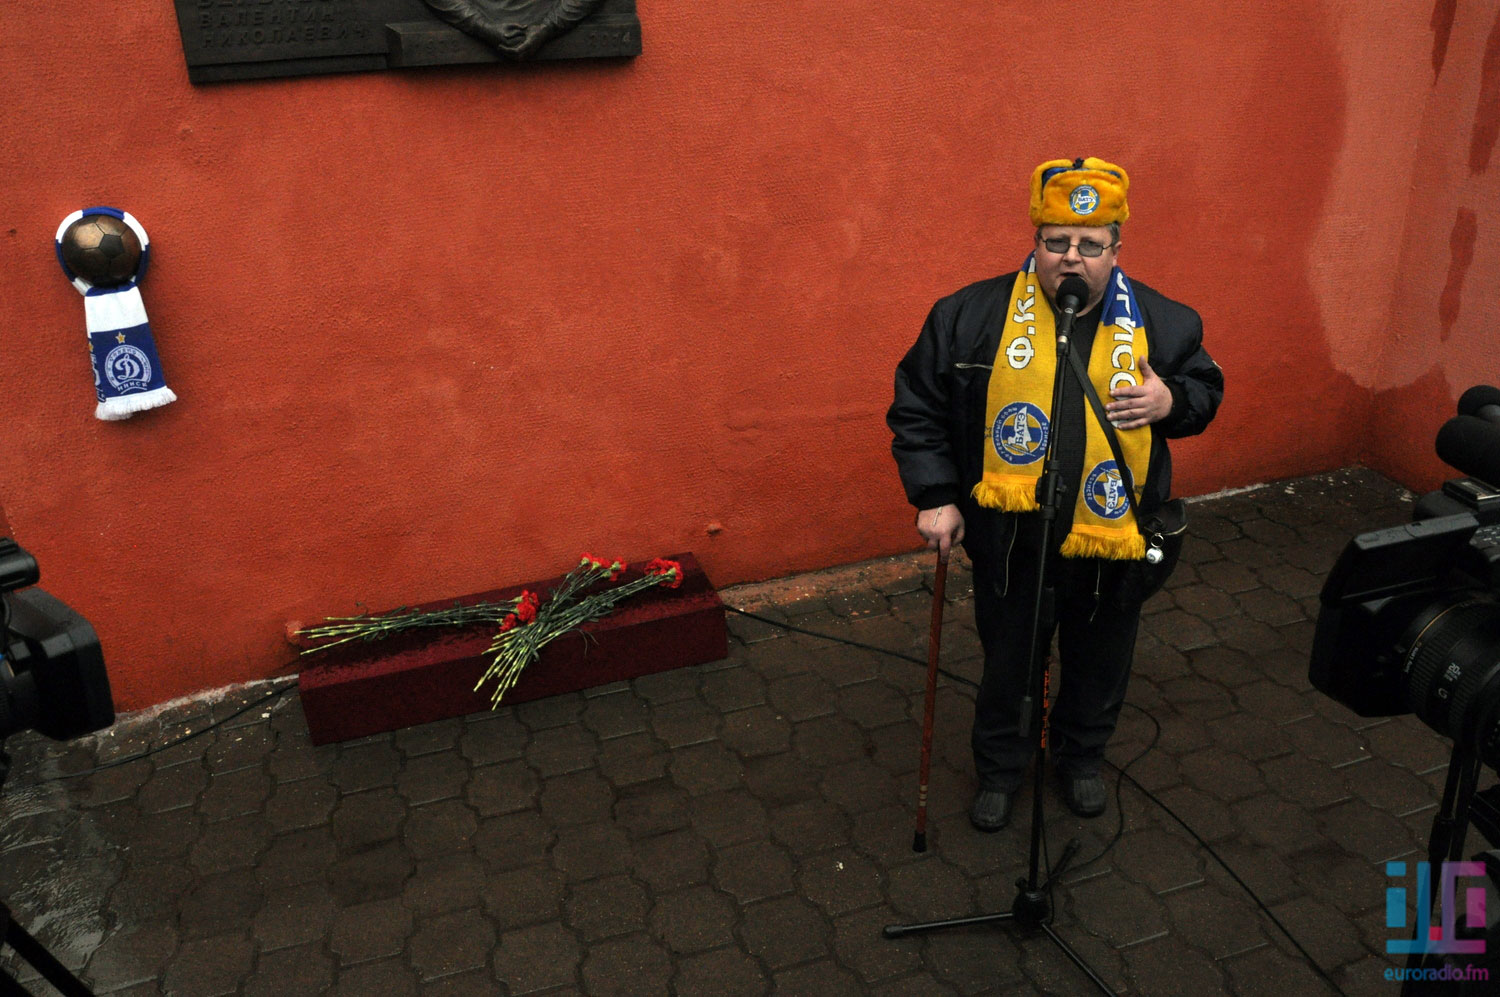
x: 745, y: 827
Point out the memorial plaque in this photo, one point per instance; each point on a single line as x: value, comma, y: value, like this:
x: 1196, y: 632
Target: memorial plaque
x: 255, y: 39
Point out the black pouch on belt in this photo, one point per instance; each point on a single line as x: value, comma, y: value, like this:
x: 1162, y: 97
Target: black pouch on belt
x: 1164, y: 529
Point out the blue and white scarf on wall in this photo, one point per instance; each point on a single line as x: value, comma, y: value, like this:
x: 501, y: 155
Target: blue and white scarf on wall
x: 127, y: 372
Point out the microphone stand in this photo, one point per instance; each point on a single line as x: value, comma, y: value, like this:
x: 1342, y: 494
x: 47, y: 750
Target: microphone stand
x: 1031, y: 910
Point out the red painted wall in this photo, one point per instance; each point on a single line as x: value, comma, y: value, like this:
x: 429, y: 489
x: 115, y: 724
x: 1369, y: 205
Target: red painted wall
x: 437, y: 331
x: 1444, y: 331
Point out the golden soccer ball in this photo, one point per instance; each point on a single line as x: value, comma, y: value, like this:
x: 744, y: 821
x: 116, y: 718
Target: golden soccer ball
x: 101, y: 249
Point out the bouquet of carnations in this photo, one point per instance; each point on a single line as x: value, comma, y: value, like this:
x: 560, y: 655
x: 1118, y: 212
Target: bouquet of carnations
x: 527, y: 623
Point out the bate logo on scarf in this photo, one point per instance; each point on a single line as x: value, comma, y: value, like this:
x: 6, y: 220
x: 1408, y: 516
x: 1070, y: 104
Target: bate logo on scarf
x: 1019, y: 391
x: 1104, y: 491
x: 1020, y: 434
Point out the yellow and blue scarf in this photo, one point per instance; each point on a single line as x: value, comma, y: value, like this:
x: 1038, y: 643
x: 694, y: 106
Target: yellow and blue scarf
x: 1018, y: 421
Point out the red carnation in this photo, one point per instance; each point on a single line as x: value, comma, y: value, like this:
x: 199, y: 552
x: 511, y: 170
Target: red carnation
x: 661, y: 566
x: 509, y: 623
x: 526, y: 611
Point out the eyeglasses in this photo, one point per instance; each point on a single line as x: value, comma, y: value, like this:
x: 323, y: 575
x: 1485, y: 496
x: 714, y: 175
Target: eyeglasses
x: 1086, y: 247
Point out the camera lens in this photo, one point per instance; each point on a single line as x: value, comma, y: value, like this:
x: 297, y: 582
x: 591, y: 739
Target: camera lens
x: 1453, y: 670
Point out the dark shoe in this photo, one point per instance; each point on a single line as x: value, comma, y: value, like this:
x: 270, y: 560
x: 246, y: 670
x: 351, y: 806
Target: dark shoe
x: 991, y: 810
x: 1084, y: 794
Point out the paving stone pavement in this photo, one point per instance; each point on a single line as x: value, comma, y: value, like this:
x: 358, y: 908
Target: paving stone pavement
x: 745, y: 827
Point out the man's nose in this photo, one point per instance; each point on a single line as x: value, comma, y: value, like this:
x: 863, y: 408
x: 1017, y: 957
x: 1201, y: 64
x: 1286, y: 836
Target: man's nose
x: 1073, y: 253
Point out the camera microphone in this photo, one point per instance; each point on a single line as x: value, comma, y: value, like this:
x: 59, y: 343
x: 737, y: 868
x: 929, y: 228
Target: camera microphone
x: 1472, y: 445
x: 1482, y: 401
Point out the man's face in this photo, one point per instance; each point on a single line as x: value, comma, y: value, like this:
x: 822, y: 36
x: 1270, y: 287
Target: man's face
x: 1052, y: 267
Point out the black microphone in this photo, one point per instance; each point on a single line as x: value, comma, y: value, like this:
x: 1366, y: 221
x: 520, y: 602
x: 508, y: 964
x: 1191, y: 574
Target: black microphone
x: 1071, y: 294
x: 1482, y: 401
x: 1472, y: 445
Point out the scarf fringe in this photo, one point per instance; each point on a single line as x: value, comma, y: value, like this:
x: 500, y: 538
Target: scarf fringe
x: 1120, y: 547
x: 1007, y: 496
x: 124, y: 406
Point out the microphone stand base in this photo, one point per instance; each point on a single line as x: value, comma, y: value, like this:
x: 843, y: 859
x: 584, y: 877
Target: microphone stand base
x: 1031, y: 912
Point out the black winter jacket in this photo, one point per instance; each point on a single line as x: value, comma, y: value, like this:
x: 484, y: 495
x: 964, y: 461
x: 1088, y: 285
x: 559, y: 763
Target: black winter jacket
x: 942, y: 387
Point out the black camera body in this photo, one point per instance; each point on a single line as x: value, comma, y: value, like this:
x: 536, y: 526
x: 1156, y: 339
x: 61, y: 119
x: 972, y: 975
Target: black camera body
x: 1410, y: 622
x: 52, y: 675
x: 1410, y: 618
x: 52, y: 680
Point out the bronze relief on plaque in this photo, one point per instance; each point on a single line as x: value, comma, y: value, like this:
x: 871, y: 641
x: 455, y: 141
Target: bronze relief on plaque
x: 516, y: 28
x: 226, y: 40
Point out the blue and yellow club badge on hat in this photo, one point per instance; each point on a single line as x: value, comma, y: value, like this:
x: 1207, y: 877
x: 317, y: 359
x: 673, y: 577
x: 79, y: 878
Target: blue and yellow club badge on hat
x: 1078, y: 192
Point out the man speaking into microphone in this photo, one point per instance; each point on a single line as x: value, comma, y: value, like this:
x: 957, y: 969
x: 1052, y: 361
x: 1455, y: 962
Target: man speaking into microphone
x: 971, y: 420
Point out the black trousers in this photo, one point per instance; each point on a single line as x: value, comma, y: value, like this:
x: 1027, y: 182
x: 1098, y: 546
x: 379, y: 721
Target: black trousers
x: 1096, y: 643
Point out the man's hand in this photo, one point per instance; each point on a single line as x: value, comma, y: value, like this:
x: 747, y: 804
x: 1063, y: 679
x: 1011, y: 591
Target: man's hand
x: 520, y: 41
x: 1137, y: 405
x: 941, y: 528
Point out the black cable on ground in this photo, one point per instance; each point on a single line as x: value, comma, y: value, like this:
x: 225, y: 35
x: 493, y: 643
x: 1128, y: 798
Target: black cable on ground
x: 1225, y: 865
x: 1119, y: 793
x: 1119, y: 783
x: 854, y: 643
x: 114, y: 763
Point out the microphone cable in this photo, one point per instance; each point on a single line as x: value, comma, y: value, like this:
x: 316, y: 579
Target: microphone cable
x: 280, y: 690
x: 1219, y: 859
x: 1124, y: 775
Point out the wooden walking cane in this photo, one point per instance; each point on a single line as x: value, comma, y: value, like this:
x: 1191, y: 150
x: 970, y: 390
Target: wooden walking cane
x: 934, y: 641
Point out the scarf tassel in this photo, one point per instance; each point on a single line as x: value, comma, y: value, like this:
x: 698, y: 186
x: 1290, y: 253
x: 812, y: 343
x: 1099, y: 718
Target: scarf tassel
x: 1119, y: 547
x: 119, y: 407
x: 1007, y: 496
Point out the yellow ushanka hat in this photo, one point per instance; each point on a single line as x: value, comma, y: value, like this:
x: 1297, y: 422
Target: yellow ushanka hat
x: 1078, y: 192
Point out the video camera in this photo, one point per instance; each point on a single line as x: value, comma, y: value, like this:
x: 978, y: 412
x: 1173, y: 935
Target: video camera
x: 1410, y: 619
x: 1410, y: 623
x: 52, y: 677
x: 52, y: 681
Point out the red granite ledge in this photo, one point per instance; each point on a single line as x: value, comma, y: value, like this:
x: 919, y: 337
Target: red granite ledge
x: 364, y: 688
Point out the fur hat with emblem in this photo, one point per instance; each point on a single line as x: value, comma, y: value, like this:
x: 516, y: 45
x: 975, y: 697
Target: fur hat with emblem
x: 1078, y: 192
